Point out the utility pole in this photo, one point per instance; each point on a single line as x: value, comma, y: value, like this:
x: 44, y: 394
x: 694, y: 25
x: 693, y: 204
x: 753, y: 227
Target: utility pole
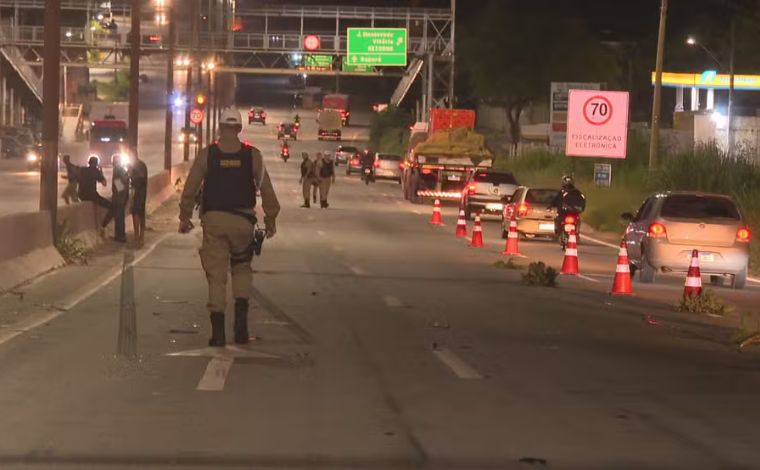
x: 51, y: 97
x: 453, y: 52
x: 654, y: 141
x: 134, y: 75
x: 730, y: 110
x: 189, y: 97
x: 169, y: 92
x: 209, y: 104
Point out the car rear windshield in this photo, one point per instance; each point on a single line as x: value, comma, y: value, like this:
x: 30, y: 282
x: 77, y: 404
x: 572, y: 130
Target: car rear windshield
x: 541, y: 196
x: 495, y: 178
x: 393, y: 158
x: 348, y: 149
x: 692, y: 206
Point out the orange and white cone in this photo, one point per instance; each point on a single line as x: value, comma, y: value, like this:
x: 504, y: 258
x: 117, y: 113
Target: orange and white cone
x: 693, y: 286
x: 622, y: 283
x: 512, y: 238
x: 436, y: 218
x: 477, y: 233
x: 461, y: 225
x: 570, y: 263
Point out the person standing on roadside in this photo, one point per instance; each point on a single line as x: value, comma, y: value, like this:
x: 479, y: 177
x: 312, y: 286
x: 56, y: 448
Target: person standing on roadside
x: 325, y: 170
x: 138, y: 175
x: 72, y: 176
x: 230, y: 173
x: 89, y: 177
x: 119, y: 199
x: 308, y: 180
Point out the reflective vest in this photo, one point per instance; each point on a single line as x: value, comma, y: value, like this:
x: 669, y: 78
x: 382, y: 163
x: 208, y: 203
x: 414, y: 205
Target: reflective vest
x: 229, y: 183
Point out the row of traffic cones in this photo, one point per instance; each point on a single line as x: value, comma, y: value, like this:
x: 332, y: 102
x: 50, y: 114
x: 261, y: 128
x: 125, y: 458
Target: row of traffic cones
x: 621, y: 284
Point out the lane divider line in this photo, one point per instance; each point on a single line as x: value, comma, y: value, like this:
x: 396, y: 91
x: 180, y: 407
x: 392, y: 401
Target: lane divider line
x: 49, y: 316
x: 215, y: 377
x: 393, y: 302
x: 600, y: 242
x: 591, y: 279
x: 357, y: 270
x: 458, y: 366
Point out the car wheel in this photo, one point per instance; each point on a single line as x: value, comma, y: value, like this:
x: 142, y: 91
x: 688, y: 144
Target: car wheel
x: 648, y: 273
x: 740, y: 279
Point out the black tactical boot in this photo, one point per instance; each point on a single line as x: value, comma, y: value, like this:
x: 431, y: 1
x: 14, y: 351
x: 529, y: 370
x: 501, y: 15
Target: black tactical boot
x: 217, y: 330
x: 306, y: 204
x: 241, y: 321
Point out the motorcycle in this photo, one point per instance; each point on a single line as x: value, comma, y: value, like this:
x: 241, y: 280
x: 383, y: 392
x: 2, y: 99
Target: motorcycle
x: 285, y: 153
x: 368, y: 175
x: 571, y: 222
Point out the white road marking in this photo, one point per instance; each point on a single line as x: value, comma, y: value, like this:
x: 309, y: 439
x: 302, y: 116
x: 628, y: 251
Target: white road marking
x: 752, y: 279
x: 416, y: 212
x: 591, y: 279
x: 51, y: 315
x: 600, y: 242
x: 460, y: 368
x: 357, y: 270
x: 215, y: 376
x: 392, y: 301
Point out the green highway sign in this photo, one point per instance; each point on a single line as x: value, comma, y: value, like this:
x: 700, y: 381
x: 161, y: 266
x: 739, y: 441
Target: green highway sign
x: 317, y: 62
x: 377, y: 46
x: 356, y: 68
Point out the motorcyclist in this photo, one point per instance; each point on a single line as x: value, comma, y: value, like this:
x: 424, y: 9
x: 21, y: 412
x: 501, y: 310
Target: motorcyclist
x: 297, y: 119
x: 368, y: 161
x: 285, y: 150
x: 569, y: 200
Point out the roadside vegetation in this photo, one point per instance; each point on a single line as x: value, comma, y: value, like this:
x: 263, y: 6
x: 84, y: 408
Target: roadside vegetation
x: 72, y: 249
x: 705, y: 169
x: 116, y: 89
x: 707, y: 303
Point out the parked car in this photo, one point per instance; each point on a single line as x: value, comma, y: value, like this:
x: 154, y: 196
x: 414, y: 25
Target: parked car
x: 388, y: 166
x: 257, y: 115
x: 531, y: 208
x: 344, y: 153
x: 287, y: 130
x: 670, y: 225
x: 486, y: 191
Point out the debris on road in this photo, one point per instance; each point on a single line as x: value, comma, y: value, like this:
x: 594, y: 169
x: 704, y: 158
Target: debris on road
x: 508, y: 264
x: 540, y: 275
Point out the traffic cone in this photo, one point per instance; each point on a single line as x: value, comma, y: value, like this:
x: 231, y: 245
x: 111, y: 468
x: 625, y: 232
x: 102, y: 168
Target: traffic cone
x: 622, y: 283
x: 461, y: 225
x: 512, y: 238
x: 570, y: 263
x: 436, y: 219
x: 477, y: 234
x: 693, y: 286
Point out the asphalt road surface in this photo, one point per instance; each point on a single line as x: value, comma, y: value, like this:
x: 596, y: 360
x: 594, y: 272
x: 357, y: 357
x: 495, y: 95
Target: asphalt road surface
x: 384, y: 342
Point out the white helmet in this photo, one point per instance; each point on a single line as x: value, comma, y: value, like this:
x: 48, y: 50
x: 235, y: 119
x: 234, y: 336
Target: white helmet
x: 231, y: 117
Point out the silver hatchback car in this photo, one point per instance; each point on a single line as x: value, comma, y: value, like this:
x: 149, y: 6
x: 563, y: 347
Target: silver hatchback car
x: 670, y: 225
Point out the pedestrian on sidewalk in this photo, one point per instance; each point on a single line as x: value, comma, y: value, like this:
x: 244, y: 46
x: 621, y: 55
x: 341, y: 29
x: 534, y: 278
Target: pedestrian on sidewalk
x: 230, y: 174
x: 325, y: 170
x: 70, y: 194
x: 138, y: 175
x: 119, y: 199
x: 89, y: 177
x: 309, y: 181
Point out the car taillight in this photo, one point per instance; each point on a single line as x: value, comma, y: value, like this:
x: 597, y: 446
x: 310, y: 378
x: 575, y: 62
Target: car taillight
x: 471, y: 189
x: 263, y: 115
x: 522, y: 211
x: 402, y: 165
x: 570, y: 220
x: 657, y: 230
x: 743, y: 235
x: 250, y: 113
x: 377, y: 163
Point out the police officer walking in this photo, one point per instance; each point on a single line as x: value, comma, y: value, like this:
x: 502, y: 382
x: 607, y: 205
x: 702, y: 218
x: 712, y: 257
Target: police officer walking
x: 308, y: 180
x: 230, y: 173
x: 119, y: 199
x: 325, y: 171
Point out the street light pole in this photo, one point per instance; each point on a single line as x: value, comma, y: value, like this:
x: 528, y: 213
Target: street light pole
x: 51, y: 94
x: 169, y: 92
x: 654, y: 140
x: 134, y: 76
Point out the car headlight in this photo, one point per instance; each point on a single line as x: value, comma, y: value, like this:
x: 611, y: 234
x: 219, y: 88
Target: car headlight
x: 32, y: 157
x: 182, y: 137
x: 121, y: 159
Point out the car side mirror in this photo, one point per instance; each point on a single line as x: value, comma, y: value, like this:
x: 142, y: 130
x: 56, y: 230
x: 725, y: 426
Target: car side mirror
x: 626, y: 217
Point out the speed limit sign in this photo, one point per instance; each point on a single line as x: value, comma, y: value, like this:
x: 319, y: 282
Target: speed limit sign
x: 597, y: 123
x: 196, y: 115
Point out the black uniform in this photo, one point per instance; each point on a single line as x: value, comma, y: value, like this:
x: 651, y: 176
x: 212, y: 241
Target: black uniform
x: 89, y: 177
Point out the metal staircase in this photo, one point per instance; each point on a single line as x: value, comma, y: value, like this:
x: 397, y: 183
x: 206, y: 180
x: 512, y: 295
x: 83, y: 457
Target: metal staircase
x: 14, y: 57
x: 411, y: 74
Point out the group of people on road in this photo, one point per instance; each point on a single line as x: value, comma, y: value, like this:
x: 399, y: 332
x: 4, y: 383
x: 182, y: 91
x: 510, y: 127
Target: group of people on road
x: 129, y: 188
x: 316, y: 175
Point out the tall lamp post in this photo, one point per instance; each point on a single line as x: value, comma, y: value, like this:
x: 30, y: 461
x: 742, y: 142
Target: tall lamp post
x: 654, y: 140
x: 692, y: 41
x: 209, y: 66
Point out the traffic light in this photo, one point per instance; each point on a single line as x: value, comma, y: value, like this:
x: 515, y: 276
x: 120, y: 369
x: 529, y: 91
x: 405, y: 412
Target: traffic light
x: 200, y: 99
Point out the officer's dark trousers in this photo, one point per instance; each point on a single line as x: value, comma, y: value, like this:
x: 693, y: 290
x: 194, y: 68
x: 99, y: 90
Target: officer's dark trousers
x: 99, y: 200
x: 119, y: 213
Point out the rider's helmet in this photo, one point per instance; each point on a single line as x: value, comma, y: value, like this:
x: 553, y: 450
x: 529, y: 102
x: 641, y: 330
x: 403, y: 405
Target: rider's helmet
x: 568, y: 182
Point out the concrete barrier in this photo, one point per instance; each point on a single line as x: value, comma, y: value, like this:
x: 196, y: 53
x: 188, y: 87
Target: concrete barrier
x: 27, y: 248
